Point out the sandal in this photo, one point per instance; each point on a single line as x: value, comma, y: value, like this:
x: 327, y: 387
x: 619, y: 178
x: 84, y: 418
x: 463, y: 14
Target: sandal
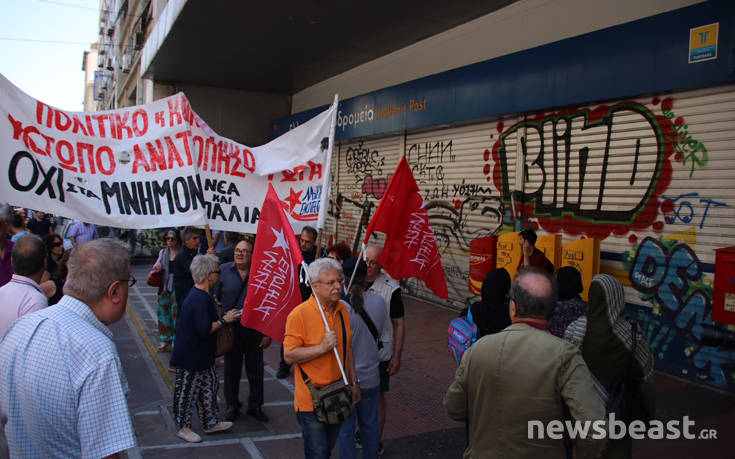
x: 164, y: 346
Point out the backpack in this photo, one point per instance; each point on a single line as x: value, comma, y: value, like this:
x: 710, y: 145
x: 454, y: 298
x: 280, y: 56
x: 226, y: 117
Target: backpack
x: 460, y: 336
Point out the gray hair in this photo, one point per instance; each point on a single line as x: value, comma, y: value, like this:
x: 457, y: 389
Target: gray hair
x: 29, y: 253
x: 534, y: 293
x: 377, y: 247
x: 323, y: 264
x: 94, y: 266
x: 202, y: 265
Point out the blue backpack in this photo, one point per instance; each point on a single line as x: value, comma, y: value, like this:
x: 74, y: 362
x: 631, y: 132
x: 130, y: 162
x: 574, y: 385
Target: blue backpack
x: 461, y: 334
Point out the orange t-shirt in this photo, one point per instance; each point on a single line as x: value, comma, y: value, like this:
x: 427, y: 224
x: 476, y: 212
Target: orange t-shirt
x: 304, y: 328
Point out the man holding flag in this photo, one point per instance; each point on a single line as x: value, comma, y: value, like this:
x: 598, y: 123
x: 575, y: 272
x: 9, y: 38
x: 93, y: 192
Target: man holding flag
x: 271, y: 308
x: 310, y: 345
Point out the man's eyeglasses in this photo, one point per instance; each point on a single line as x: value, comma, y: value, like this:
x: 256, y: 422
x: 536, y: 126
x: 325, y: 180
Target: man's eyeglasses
x: 242, y: 252
x: 373, y: 263
x: 130, y: 281
x: 332, y: 283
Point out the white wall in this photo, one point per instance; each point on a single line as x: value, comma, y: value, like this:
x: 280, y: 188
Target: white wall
x: 522, y: 25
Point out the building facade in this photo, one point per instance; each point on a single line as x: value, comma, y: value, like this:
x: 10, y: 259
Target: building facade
x: 582, y: 119
x: 617, y: 127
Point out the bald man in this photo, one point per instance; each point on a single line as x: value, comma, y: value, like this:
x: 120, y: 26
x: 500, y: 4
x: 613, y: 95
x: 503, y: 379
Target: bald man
x: 510, y: 379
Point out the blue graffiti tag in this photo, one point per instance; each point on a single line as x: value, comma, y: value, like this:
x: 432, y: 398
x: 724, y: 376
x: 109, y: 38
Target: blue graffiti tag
x: 685, y: 209
x: 668, y: 274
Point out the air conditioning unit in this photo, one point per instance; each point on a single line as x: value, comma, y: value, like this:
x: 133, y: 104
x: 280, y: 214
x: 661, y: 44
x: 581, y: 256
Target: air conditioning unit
x: 127, y: 62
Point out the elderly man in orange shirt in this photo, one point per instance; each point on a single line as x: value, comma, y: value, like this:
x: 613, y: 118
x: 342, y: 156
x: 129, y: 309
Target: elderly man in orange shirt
x: 310, y: 346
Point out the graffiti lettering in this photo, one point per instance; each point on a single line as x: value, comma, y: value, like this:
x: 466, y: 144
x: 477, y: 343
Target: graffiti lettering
x: 362, y: 162
x: 373, y: 187
x: 470, y: 189
x: 685, y: 210
x: 671, y: 276
x: 428, y: 159
x: 453, y: 271
x: 686, y: 147
x: 575, y: 162
x: 566, y: 173
x: 451, y: 224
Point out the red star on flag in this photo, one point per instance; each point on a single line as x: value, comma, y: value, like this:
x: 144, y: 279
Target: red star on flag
x: 293, y: 199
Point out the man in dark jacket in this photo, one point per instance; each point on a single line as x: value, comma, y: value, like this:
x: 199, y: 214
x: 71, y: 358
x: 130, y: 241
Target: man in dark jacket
x: 180, y: 267
x: 231, y: 290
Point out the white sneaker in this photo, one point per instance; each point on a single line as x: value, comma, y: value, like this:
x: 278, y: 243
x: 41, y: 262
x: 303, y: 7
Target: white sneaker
x: 186, y: 434
x: 219, y: 427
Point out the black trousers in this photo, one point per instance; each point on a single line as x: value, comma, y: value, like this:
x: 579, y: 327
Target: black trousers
x: 247, y: 342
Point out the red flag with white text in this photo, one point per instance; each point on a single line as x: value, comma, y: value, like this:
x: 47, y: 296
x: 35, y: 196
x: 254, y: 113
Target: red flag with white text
x: 410, y: 248
x: 273, y: 288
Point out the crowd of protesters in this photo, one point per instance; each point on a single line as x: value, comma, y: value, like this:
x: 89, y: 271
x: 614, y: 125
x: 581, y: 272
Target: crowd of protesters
x: 51, y: 294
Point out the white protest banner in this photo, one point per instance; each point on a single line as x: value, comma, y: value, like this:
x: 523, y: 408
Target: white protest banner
x: 156, y: 165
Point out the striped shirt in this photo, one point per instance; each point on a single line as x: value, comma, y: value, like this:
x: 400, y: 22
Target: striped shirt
x: 62, y: 387
x: 83, y: 232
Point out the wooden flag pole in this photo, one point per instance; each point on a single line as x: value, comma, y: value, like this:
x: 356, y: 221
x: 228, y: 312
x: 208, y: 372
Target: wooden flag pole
x: 208, y: 233
x: 319, y: 245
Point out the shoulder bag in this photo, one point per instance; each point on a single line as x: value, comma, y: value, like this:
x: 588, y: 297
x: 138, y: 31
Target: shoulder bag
x: 226, y: 334
x: 332, y: 403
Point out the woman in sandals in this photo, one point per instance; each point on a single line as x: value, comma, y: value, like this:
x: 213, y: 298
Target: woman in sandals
x: 168, y: 309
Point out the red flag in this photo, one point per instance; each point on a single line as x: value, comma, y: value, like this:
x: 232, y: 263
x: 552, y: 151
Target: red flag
x: 273, y: 288
x: 410, y: 248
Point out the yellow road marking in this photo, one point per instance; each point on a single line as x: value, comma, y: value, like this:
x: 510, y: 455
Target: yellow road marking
x: 164, y: 371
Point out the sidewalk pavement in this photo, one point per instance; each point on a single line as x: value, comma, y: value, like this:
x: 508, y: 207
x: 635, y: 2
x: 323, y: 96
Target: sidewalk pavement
x: 417, y: 425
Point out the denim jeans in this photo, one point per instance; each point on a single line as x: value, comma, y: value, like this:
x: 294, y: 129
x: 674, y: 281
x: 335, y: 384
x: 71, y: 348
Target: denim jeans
x: 319, y: 438
x: 367, y: 417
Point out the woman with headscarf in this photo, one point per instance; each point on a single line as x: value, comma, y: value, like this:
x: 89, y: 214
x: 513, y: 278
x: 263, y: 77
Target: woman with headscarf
x: 569, y: 320
x: 168, y: 308
x: 490, y: 314
x: 607, y: 350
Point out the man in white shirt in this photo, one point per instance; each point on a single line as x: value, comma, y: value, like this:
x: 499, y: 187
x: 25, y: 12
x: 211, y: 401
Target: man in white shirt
x: 22, y: 295
x: 62, y: 387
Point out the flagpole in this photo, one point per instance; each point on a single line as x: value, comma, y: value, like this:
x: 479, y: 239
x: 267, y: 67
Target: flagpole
x: 319, y: 245
x: 352, y: 277
x: 326, y: 325
x: 208, y: 233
